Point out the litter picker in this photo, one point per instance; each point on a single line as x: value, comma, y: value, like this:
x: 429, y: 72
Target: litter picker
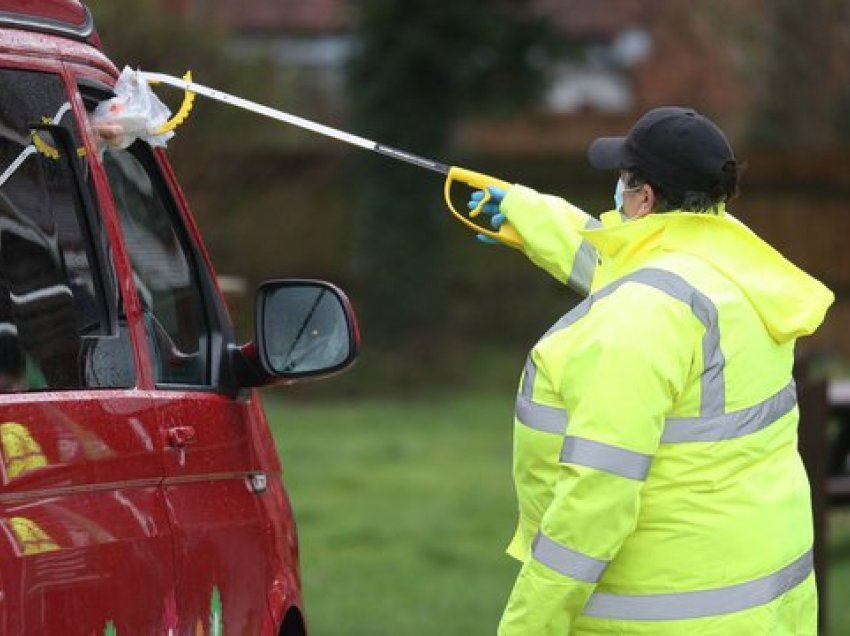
x: 506, y: 233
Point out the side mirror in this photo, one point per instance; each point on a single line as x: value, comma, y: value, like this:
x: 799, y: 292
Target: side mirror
x: 304, y: 329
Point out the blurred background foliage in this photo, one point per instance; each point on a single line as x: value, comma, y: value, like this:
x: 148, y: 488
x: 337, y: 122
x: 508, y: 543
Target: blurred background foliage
x: 417, y: 68
x: 515, y: 88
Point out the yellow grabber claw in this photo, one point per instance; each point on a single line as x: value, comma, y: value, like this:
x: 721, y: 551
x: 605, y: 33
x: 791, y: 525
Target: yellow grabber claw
x: 45, y: 148
x: 182, y: 112
x: 42, y: 146
x: 506, y: 233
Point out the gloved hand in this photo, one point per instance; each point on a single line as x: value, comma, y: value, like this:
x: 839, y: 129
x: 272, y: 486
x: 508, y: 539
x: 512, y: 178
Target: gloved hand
x: 491, y: 209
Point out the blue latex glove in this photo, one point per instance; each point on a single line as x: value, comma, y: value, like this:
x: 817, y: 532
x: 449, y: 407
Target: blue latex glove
x: 491, y: 209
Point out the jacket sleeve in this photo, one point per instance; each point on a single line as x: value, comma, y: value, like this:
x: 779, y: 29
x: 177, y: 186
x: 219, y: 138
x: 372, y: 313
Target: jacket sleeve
x: 618, y: 370
x: 549, y: 227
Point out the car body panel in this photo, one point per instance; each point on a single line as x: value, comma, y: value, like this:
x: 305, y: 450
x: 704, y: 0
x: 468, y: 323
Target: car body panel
x: 68, y: 18
x: 219, y: 535
x: 105, y: 527
x: 84, y: 521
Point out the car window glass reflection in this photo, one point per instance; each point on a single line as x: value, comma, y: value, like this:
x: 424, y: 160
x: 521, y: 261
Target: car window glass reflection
x: 167, y: 284
x: 51, y: 308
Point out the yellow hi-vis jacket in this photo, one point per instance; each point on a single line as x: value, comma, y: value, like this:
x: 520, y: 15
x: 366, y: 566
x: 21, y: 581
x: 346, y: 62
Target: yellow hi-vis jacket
x: 655, y: 453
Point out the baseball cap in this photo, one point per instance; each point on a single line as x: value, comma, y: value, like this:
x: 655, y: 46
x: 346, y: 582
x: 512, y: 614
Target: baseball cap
x: 677, y: 148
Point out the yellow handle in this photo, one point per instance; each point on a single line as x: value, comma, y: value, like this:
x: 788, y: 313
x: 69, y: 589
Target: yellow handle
x: 182, y: 112
x: 506, y: 234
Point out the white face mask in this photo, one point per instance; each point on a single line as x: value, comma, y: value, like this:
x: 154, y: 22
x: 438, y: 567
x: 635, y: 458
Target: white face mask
x: 618, y: 195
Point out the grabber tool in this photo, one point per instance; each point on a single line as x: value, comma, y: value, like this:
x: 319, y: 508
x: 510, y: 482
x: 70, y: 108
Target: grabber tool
x: 453, y: 174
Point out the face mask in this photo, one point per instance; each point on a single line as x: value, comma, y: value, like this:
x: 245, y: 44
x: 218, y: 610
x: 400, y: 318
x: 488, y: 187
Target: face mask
x: 618, y: 195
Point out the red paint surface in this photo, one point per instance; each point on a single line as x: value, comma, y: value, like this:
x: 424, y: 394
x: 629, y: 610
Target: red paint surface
x: 67, y: 11
x: 87, y: 491
x: 107, y: 514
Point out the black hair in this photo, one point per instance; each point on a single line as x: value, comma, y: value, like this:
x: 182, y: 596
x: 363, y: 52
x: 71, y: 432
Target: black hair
x: 703, y: 202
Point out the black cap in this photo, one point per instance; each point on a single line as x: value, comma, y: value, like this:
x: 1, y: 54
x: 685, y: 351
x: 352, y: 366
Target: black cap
x: 677, y: 148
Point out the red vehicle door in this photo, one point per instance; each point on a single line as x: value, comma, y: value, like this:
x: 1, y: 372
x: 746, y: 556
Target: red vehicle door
x: 85, y: 543
x: 213, y: 495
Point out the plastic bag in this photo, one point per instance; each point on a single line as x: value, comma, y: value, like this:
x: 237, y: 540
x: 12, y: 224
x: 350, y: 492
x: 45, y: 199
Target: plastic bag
x: 134, y: 113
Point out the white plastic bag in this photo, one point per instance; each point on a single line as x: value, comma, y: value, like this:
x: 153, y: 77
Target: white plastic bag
x: 134, y: 113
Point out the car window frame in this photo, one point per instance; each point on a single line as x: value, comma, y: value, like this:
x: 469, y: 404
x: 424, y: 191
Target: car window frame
x: 220, y: 336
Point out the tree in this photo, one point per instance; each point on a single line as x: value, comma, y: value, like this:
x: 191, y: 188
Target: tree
x: 802, y: 96
x: 419, y: 65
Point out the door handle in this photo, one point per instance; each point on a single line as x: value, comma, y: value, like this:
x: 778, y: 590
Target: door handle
x: 181, y: 436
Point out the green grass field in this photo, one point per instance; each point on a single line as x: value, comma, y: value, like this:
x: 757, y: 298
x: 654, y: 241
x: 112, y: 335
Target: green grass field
x: 404, y: 509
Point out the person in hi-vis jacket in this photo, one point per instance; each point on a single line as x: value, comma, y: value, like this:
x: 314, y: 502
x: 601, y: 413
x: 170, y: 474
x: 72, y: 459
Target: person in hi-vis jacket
x: 659, y: 485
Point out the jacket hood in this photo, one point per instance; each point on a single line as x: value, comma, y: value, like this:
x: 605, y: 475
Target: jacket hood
x: 789, y: 301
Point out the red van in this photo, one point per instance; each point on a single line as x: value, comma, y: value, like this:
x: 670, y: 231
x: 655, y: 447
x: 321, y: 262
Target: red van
x: 141, y: 490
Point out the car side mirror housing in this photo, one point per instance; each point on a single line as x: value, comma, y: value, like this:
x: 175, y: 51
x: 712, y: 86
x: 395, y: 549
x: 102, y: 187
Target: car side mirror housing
x: 305, y: 329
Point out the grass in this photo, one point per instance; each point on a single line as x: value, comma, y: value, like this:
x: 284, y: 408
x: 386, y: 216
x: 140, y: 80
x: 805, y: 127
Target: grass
x: 404, y: 508
x: 839, y: 572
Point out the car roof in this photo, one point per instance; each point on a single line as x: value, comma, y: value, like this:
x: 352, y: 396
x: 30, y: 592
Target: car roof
x: 70, y: 18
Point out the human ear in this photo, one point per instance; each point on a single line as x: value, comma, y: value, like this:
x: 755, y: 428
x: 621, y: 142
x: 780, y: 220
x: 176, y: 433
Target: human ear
x: 647, y: 201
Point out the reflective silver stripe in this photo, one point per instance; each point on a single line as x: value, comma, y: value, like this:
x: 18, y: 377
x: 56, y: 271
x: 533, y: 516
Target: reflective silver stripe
x: 540, y: 417
x: 551, y: 419
x: 713, y: 398
x: 584, y: 262
x: 584, y: 266
x: 611, y: 459
x: 713, y: 385
x: 731, y: 425
x: 592, y: 223
x: 684, y: 605
x: 528, y: 377
x: 566, y: 561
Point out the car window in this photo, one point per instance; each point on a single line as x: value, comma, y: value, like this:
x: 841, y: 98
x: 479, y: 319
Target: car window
x: 56, y: 320
x: 164, y: 268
